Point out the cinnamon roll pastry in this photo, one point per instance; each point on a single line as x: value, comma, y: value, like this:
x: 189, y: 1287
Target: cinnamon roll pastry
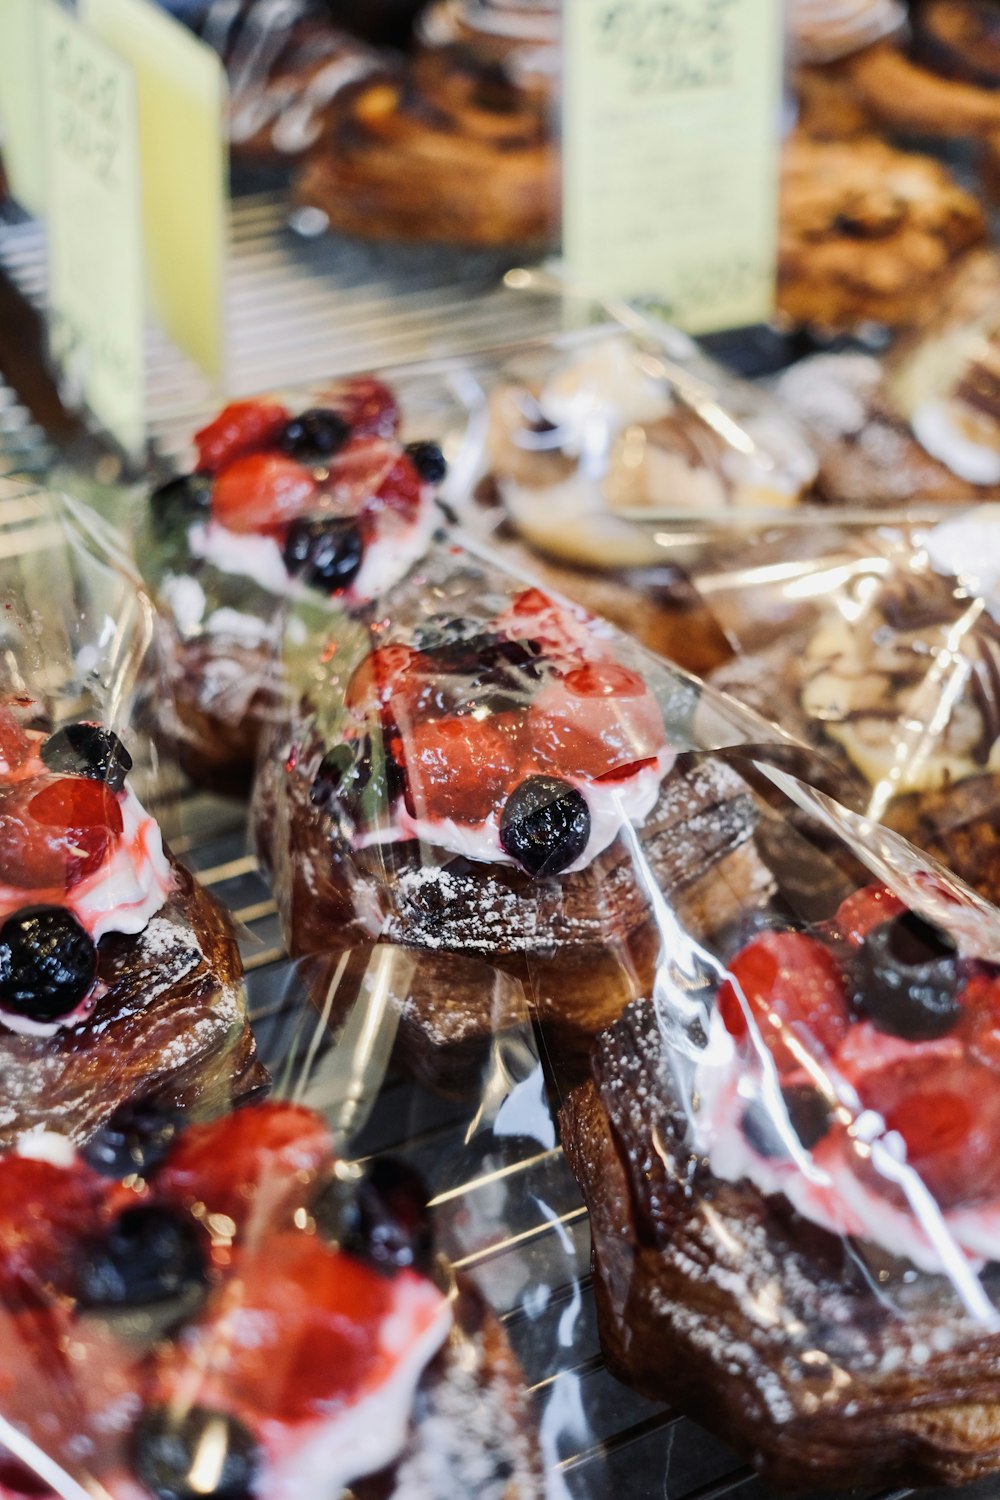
x: 524, y: 35
x: 447, y: 148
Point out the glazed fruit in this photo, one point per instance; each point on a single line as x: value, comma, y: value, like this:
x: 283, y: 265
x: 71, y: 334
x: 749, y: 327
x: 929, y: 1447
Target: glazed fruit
x: 327, y: 552
x: 906, y: 978
x: 456, y: 767
x: 135, y: 1139
x: 180, y: 501
x: 808, y: 1117
x: 428, y: 460
x: 387, y: 1223
x: 48, y: 963
x: 262, y: 492
x: 242, y: 427
x: 44, y: 1208
x: 88, y: 750
x: 545, y: 825
x: 149, y: 1254
x: 791, y: 986
x: 166, y: 1445
x: 55, y: 831
x: 369, y: 408
x: 314, y: 435
x: 15, y: 745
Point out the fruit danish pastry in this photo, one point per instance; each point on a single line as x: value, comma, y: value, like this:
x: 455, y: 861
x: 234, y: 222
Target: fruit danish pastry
x: 495, y: 781
x: 328, y: 501
x: 120, y: 978
x: 793, y: 1190
x: 248, y: 1317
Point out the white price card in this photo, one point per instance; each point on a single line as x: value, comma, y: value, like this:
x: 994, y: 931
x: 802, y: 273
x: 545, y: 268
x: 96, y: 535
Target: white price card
x: 94, y: 220
x: 671, y: 139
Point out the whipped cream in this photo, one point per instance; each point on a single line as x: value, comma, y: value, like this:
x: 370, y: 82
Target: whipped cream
x: 939, y: 427
x: 968, y: 548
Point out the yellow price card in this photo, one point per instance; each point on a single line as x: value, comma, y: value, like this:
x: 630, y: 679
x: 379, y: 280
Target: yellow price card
x: 21, y: 104
x: 95, y: 238
x: 182, y: 97
x: 670, y: 143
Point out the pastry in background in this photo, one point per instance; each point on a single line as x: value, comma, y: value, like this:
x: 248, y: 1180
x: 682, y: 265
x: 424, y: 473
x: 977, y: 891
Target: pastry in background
x: 820, y: 31
x: 524, y: 35
x: 867, y: 234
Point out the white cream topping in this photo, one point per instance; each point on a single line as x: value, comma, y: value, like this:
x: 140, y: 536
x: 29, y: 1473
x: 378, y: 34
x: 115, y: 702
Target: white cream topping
x: 46, y: 1145
x: 936, y: 429
x: 968, y: 548
x: 612, y: 807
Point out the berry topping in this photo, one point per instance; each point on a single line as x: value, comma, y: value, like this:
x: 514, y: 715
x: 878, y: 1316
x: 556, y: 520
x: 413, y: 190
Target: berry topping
x: 381, y: 676
x: 456, y: 768
x: 314, y: 435
x: 149, y: 1254
x: 248, y: 1165
x: 368, y: 407
x: 388, y: 1224
x: 48, y: 963
x: 180, y: 500
x: 330, y: 774
x: 262, y: 492
x: 169, y: 1448
x: 865, y: 909
x: 545, y: 825
x: 56, y: 830
x: 598, y: 720
x: 88, y: 750
x: 400, y: 488
x: 44, y: 1209
x: 428, y: 460
x: 905, y: 979
x: 242, y: 427
x: 368, y: 782
x: 135, y: 1139
x: 15, y: 745
x: 328, y: 552
x: 808, y: 1115
x: 790, y: 985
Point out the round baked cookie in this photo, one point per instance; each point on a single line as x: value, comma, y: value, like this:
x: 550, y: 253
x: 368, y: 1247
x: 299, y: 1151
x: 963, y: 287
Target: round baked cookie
x: 867, y: 233
x: 446, y: 149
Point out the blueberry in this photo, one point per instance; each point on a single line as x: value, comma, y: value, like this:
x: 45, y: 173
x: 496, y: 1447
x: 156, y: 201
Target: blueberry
x: 315, y: 435
x: 327, y: 552
x: 428, y: 460
x: 134, y: 1140
x: 808, y: 1115
x: 48, y: 963
x: 168, y: 1449
x: 150, y: 1254
x: 384, y: 1221
x: 88, y: 750
x: 330, y: 774
x: 180, y: 501
x: 545, y: 824
x: 905, y: 979
x: 368, y: 781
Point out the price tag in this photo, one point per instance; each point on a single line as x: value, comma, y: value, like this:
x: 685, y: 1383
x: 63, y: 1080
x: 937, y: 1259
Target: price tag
x: 21, y: 105
x: 184, y: 162
x: 670, y: 145
x: 95, y: 238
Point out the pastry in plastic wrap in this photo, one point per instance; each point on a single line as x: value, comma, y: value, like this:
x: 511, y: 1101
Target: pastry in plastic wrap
x: 447, y: 147
x: 524, y: 35
x: 867, y: 233
x: 120, y: 977
x: 821, y: 31
x: 897, y: 679
x: 491, y: 779
x: 249, y: 1316
x: 328, y: 501
x: 792, y: 1181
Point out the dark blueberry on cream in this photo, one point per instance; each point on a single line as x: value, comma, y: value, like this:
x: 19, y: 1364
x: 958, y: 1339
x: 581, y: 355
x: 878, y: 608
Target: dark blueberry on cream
x: 330, y: 774
x: 315, y: 435
x: 327, y: 552
x: 179, y: 500
x: 166, y: 1448
x: 88, y: 750
x: 808, y: 1113
x: 905, y: 979
x: 388, y: 1224
x: 150, y: 1254
x: 135, y: 1139
x: 48, y: 963
x: 545, y: 825
x: 428, y: 460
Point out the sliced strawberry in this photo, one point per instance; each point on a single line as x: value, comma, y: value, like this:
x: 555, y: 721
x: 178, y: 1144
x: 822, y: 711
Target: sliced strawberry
x: 46, y: 1214
x: 368, y: 406
x: 863, y: 911
x: 301, y: 1331
x: 400, y: 489
x: 793, y: 989
x: 457, y: 767
x: 242, y: 427
x: 359, y: 470
x: 252, y: 1166
x: 384, y: 673
x: 15, y: 744
x: 598, y: 719
x: 262, y: 492
x: 56, y: 830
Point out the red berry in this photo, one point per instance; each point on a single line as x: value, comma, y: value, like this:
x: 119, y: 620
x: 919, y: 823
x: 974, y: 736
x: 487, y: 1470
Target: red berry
x: 359, y: 470
x: 863, y: 911
x: 15, y: 745
x: 46, y: 1214
x: 457, y: 767
x: 381, y: 676
x: 532, y: 602
x: 401, y: 487
x: 369, y: 407
x: 56, y: 830
x: 253, y: 1166
x: 242, y: 427
x: 604, y: 679
x: 599, y: 719
x: 794, y: 990
x: 262, y: 492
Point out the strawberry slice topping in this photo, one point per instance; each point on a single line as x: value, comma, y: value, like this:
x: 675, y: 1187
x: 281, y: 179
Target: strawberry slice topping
x: 242, y: 427
x: 386, y: 673
x: 368, y: 407
x: 599, y: 718
x: 250, y: 1166
x: 45, y: 1211
x: 792, y: 987
x: 56, y: 830
x: 863, y: 911
x: 458, y: 767
x: 15, y: 744
x: 262, y: 492
x: 400, y: 489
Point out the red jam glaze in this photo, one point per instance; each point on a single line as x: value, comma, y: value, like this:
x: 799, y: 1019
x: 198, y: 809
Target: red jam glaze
x: 262, y: 492
x: 795, y: 993
x: 45, y: 1211
x: 368, y: 407
x: 55, y: 831
x: 242, y: 427
x: 15, y: 745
